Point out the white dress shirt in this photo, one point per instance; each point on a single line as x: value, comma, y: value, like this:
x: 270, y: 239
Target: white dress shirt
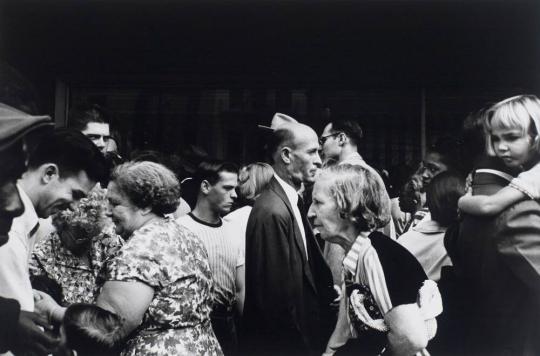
x: 292, y: 195
x: 15, y: 256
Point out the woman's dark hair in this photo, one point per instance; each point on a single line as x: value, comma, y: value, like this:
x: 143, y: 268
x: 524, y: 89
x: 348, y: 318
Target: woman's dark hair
x: 91, y: 330
x: 442, y: 195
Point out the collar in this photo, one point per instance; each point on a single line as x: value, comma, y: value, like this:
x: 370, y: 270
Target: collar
x: 354, y: 157
x: 218, y: 224
x: 495, y: 172
x: 28, y: 222
x: 350, y: 262
x: 290, y: 192
x: 429, y: 226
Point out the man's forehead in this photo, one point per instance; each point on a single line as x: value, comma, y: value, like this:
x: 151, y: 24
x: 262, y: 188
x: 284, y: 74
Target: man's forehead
x: 99, y: 128
x: 228, y: 177
x: 433, y: 158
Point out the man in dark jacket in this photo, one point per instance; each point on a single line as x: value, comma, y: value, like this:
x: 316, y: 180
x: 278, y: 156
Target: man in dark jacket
x: 497, y: 264
x: 19, y: 330
x: 288, y: 284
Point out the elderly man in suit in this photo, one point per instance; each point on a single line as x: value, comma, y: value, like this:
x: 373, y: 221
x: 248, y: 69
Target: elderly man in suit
x: 288, y: 283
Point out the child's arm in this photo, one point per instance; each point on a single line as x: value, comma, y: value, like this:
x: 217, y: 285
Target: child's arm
x: 490, y: 204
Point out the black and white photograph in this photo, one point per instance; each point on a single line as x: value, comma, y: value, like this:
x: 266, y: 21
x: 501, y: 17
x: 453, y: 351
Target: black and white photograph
x: 270, y: 177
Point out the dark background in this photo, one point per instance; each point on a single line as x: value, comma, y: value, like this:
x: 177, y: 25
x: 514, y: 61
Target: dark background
x: 175, y: 73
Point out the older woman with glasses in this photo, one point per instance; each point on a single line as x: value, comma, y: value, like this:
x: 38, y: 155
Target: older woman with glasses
x: 160, y: 282
x: 378, y: 310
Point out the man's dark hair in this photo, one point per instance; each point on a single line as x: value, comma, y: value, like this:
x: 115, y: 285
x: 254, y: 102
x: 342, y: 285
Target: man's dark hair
x: 352, y: 129
x: 72, y: 152
x: 442, y: 195
x: 275, y: 139
x: 79, y: 118
x: 210, y: 170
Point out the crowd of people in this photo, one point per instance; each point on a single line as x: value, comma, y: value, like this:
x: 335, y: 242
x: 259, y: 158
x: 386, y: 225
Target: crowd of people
x: 309, y: 253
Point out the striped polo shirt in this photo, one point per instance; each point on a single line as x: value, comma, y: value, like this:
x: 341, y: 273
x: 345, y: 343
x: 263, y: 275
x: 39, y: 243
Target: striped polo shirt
x: 225, y: 254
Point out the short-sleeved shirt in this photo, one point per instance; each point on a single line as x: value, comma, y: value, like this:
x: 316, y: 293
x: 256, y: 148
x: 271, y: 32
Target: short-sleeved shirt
x: 170, y: 259
x: 225, y: 253
x: 76, y: 279
x: 528, y: 183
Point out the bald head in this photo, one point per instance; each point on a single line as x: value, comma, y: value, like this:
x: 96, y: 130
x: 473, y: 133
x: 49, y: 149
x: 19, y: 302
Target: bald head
x: 294, y: 153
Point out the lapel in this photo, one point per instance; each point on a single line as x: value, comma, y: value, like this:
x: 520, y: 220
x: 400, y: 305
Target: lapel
x: 278, y: 190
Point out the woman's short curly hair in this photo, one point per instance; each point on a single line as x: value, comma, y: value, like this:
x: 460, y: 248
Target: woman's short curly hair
x: 359, y: 194
x: 148, y: 184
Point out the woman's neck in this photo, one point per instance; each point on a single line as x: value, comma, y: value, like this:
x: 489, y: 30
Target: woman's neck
x: 349, y: 237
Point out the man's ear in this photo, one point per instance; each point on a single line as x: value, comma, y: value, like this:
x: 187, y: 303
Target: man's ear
x: 285, y: 155
x: 49, y: 172
x: 342, y: 139
x: 205, y: 187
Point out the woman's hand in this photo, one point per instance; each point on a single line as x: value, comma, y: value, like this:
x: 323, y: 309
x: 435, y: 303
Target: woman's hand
x: 46, y: 306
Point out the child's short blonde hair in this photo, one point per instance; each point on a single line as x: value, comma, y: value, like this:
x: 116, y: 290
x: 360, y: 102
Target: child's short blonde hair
x: 518, y: 112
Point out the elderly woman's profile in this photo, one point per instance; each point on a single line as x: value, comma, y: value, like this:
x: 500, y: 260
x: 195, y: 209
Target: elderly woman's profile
x: 378, y: 309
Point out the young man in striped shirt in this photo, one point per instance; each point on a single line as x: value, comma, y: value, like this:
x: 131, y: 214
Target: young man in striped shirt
x: 217, y: 182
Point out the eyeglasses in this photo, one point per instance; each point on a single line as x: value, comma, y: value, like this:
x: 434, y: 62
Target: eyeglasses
x: 323, y: 139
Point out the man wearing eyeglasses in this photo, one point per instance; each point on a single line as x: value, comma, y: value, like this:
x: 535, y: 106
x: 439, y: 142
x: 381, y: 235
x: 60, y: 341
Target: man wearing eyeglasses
x: 339, y: 145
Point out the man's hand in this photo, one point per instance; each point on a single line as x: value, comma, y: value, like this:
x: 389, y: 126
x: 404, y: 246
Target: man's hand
x: 30, y: 337
x: 45, y: 305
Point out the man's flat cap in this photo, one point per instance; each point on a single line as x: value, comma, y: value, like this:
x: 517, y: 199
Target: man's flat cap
x: 14, y: 124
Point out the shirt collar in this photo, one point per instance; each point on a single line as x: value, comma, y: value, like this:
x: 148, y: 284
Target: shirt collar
x: 429, y: 226
x: 290, y: 192
x: 355, y: 156
x: 350, y: 262
x: 28, y: 222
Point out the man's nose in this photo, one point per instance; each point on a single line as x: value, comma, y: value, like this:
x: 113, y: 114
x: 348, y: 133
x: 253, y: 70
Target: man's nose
x: 311, y: 212
x: 233, y: 194
x: 317, y: 161
x: 100, y: 142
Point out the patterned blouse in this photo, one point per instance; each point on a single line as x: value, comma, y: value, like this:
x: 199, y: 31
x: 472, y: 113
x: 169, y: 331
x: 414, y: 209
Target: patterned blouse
x: 76, y: 279
x: 174, y: 262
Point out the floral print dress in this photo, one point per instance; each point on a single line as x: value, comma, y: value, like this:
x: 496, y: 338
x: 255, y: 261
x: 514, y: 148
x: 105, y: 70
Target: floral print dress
x: 76, y: 279
x: 174, y: 262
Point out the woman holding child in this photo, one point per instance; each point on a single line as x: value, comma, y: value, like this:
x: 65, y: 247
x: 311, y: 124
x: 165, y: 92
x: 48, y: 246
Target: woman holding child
x: 159, y: 283
x: 496, y: 257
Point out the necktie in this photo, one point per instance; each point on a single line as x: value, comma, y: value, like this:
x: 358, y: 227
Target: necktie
x: 302, y: 209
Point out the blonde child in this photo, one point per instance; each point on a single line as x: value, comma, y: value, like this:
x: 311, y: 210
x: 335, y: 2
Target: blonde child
x: 512, y: 128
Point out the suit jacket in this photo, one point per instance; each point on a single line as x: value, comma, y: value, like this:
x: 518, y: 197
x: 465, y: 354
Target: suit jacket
x: 287, y: 303
x: 497, y: 262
